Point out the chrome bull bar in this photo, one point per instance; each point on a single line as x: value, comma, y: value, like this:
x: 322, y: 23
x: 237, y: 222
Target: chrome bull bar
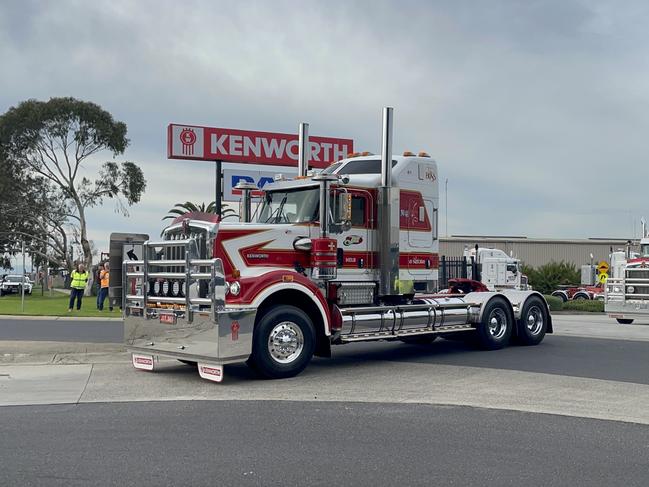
x: 191, y: 323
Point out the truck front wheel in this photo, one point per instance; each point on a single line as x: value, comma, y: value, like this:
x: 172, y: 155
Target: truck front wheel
x: 495, y: 329
x: 283, y: 342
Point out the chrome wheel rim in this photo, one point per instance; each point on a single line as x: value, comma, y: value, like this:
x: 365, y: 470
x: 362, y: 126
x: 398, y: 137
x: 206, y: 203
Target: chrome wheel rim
x: 534, y: 320
x: 286, y: 342
x: 497, y: 324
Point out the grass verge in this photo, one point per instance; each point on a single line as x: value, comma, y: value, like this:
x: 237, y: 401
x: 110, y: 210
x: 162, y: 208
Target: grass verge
x: 55, y: 304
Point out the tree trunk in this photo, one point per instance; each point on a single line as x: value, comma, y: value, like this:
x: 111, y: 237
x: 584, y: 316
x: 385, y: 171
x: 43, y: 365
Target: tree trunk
x: 85, y: 245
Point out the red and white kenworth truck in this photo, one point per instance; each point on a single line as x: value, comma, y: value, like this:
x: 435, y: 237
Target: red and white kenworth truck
x: 346, y: 255
x: 627, y: 290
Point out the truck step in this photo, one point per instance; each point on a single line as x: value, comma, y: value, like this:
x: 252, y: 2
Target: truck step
x: 385, y: 335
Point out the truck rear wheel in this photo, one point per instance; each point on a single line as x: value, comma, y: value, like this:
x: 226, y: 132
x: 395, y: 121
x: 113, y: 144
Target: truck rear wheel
x: 624, y: 321
x: 534, y: 322
x: 283, y: 342
x: 495, y: 329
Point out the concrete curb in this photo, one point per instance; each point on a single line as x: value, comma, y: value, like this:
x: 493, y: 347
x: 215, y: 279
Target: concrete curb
x: 571, y: 312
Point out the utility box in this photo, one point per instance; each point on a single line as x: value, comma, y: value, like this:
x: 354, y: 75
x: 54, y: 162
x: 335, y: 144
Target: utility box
x: 588, y: 275
x: 123, y: 246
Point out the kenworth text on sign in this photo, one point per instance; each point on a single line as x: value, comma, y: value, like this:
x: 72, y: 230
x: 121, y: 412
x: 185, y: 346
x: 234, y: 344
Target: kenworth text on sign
x: 346, y: 255
x: 231, y: 145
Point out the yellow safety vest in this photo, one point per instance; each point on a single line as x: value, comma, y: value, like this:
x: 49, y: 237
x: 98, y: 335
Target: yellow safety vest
x: 79, y: 279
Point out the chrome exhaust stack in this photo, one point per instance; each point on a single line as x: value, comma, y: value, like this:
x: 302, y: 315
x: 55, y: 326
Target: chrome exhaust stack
x: 245, y: 208
x: 388, y: 221
x: 303, y: 150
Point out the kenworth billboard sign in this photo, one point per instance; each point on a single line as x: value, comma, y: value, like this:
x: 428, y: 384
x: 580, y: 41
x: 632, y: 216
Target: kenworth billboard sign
x: 244, y: 146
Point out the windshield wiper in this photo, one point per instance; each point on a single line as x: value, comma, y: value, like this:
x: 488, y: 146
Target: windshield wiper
x: 278, y: 212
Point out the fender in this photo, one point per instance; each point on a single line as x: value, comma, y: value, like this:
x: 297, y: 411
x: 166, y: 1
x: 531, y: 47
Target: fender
x: 254, y: 290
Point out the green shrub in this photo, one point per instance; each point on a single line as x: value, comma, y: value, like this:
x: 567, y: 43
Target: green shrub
x: 555, y: 304
x: 549, y: 277
x: 591, y: 306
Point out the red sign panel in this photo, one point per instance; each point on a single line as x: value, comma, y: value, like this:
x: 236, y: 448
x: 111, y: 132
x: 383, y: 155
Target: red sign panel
x: 231, y: 145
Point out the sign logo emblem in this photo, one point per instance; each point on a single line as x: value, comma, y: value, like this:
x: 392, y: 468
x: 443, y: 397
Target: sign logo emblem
x: 188, y: 139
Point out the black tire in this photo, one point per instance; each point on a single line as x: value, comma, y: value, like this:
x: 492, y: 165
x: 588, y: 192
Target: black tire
x: 624, y: 321
x: 561, y: 296
x: 580, y: 297
x: 419, y: 339
x: 275, y: 360
x: 495, y: 329
x: 534, y: 321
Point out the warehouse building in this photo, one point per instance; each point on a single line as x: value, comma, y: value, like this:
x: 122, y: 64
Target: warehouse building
x: 537, y: 251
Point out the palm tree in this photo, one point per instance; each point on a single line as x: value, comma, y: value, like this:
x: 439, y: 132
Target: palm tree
x: 188, y: 207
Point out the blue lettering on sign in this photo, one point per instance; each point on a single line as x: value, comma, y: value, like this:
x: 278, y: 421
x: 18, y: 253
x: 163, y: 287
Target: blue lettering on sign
x: 263, y: 181
x: 236, y: 179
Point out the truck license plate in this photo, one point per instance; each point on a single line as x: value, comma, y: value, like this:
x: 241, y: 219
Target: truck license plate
x: 211, y: 372
x: 168, y: 318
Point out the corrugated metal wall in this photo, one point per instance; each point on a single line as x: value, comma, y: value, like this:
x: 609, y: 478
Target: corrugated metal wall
x: 536, y: 252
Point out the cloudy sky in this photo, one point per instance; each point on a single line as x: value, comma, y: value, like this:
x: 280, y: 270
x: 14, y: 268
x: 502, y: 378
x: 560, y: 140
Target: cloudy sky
x: 536, y: 111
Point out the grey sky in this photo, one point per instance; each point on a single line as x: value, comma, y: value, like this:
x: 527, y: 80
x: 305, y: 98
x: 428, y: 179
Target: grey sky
x: 536, y: 111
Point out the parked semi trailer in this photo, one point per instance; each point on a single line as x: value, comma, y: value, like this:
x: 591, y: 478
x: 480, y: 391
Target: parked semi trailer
x: 346, y: 255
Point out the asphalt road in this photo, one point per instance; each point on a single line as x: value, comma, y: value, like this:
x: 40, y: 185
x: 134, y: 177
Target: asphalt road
x: 571, y: 411
x: 62, y: 330
x: 307, y: 443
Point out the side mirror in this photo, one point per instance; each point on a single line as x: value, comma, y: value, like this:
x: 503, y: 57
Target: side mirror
x: 343, y: 213
x: 345, y: 207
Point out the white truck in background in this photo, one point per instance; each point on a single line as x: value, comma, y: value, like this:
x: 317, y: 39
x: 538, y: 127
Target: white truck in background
x: 626, y: 296
x: 497, y: 270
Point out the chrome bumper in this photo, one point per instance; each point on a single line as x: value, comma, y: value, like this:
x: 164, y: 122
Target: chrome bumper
x: 220, y: 338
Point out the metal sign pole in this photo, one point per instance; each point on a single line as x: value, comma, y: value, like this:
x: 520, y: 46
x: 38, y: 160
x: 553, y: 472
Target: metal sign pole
x: 217, y: 190
x: 22, y: 287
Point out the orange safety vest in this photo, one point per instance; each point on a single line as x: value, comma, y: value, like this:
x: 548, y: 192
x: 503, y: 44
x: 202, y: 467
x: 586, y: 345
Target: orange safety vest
x: 103, y: 277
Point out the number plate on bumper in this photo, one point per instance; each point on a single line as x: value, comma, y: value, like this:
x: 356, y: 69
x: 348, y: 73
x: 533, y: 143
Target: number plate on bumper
x: 169, y: 319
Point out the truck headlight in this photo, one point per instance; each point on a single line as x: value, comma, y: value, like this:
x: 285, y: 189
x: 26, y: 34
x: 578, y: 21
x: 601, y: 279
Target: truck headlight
x: 175, y: 288
x: 630, y: 289
x: 616, y: 289
x: 235, y: 288
x: 165, y: 288
x: 156, y: 288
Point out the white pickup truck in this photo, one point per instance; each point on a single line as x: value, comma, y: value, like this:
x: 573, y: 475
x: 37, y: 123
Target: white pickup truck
x: 13, y: 284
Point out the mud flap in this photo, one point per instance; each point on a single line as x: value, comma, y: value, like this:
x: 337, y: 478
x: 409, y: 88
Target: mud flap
x: 211, y: 372
x: 143, y: 362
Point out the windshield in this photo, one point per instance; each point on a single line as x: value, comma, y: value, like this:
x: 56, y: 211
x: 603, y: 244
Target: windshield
x: 14, y: 279
x: 332, y: 168
x: 294, y: 206
x: 644, y: 250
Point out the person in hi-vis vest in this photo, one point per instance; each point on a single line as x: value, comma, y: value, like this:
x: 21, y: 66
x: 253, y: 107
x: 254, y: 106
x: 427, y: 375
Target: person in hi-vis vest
x: 77, y: 286
x: 104, y: 279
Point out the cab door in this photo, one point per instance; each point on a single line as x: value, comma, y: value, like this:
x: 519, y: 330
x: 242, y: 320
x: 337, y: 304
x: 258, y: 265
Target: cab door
x: 354, y: 256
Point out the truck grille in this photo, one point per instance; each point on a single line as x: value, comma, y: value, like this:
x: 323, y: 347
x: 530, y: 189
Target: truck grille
x: 637, y: 273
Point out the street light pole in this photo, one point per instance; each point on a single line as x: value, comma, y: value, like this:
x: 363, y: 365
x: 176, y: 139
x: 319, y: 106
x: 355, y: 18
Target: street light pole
x: 446, y: 205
